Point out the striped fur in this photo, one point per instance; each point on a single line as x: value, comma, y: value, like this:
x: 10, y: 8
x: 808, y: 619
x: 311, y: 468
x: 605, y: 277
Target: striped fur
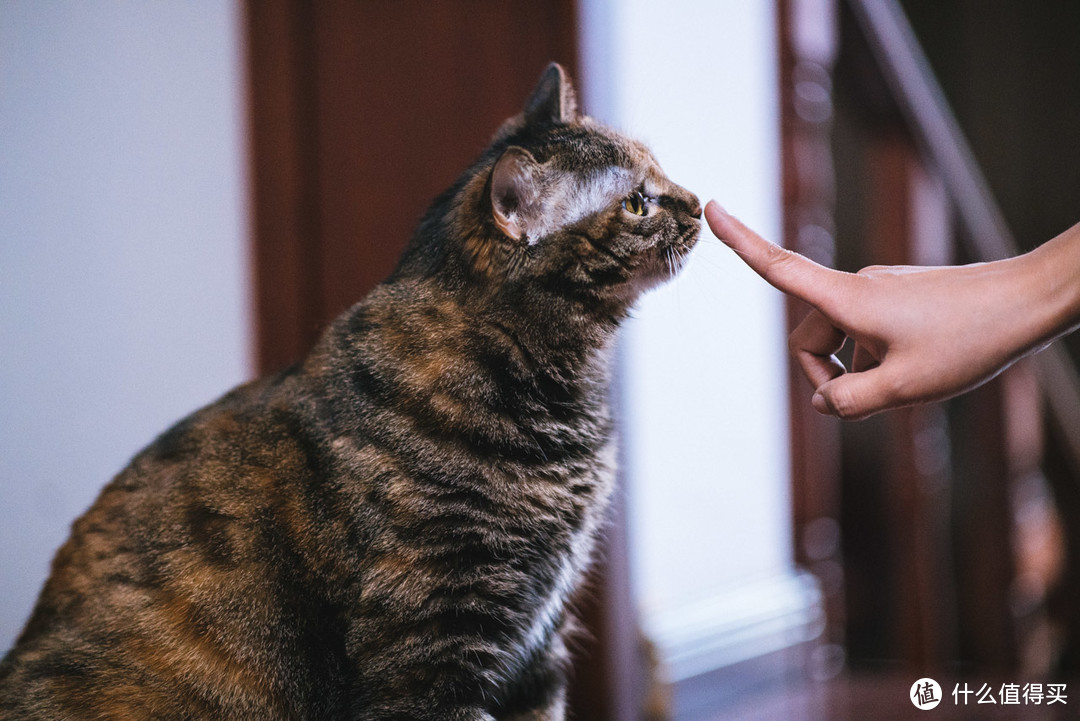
x: 390, y: 529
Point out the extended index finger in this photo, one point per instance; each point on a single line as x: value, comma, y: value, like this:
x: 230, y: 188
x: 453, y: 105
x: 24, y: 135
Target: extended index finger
x: 784, y: 269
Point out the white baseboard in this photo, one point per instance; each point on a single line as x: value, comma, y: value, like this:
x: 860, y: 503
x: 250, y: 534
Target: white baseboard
x: 732, y: 626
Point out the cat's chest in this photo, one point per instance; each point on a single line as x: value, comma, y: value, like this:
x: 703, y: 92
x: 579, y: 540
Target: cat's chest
x: 562, y: 548
x: 569, y: 496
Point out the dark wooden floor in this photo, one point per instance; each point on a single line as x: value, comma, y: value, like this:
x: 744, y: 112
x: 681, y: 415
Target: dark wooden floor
x: 885, y: 698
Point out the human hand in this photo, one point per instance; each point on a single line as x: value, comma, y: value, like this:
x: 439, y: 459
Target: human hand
x: 921, y: 334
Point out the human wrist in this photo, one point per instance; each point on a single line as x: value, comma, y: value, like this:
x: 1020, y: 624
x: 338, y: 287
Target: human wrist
x: 1051, y: 279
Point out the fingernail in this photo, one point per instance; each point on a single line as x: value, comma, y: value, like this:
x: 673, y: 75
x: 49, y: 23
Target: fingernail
x: 819, y: 404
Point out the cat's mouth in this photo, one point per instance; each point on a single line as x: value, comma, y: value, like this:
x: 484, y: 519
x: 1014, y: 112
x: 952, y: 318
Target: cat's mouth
x: 676, y: 254
x: 669, y: 259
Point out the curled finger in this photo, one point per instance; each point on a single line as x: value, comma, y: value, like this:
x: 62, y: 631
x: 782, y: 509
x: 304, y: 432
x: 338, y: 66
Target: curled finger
x: 814, y: 344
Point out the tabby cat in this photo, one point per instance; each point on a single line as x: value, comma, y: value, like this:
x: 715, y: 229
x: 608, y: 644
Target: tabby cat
x: 391, y: 528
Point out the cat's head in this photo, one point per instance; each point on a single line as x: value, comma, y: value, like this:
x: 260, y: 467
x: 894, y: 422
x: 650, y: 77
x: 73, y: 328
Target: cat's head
x: 562, y: 203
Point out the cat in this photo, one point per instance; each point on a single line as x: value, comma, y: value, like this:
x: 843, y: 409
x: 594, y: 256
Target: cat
x: 391, y: 528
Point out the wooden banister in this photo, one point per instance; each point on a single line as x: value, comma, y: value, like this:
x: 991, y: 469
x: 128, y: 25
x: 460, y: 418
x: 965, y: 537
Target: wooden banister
x: 987, y: 236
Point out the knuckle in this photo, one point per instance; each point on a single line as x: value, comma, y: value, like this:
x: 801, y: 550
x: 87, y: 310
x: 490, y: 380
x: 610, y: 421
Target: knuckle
x: 873, y: 269
x: 844, y: 404
x: 794, y: 342
x: 840, y: 402
x: 777, y: 256
x: 896, y: 390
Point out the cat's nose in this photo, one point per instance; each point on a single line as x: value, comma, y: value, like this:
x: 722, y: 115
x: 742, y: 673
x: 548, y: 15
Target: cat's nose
x: 684, y: 200
x: 690, y: 202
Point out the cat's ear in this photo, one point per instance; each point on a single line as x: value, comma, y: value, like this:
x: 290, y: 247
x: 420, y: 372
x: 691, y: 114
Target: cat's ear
x: 553, y: 100
x: 515, y: 192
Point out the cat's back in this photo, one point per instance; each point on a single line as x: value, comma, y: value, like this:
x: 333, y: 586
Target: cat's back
x: 179, y: 589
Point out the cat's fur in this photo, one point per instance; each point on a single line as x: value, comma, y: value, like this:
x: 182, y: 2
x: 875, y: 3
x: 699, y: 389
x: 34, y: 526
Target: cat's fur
x: 391, y: 528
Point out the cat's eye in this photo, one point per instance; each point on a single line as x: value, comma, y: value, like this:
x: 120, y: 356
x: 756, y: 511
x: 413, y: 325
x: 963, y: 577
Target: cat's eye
x: 636, y: 203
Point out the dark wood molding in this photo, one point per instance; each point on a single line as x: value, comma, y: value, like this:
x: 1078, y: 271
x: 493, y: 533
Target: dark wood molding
x: 284, y: 195
x: 807, y: 48
x: 928, y: 511
x: 919, y: 497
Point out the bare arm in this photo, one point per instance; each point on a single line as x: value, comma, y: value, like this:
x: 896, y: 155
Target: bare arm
x: 920, y: 334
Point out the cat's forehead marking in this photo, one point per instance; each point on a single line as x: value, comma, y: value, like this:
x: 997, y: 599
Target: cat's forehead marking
x: 611, y: 182
x: 575, y: 195
x: 656, y: 181
x: 591, y: 169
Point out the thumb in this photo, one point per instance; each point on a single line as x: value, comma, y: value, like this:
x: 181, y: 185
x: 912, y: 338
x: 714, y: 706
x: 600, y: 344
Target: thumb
x: 855, y: 396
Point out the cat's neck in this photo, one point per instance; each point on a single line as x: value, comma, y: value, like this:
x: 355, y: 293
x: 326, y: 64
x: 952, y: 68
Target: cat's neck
x: 562, y: 333
x: 414, y: 338
x: 542, y: 333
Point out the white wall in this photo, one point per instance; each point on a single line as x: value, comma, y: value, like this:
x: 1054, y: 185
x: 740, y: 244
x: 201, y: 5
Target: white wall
x: 704, y: 366
x: 123, y: 277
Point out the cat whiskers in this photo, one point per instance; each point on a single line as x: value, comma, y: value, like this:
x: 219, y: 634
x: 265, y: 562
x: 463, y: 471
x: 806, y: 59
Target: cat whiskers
x: 672, y: 263
x: 675, y: 259
x: 710, y: 257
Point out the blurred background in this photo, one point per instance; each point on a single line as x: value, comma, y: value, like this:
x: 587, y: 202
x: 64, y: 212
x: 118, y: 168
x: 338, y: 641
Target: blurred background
x: 190, y: 191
